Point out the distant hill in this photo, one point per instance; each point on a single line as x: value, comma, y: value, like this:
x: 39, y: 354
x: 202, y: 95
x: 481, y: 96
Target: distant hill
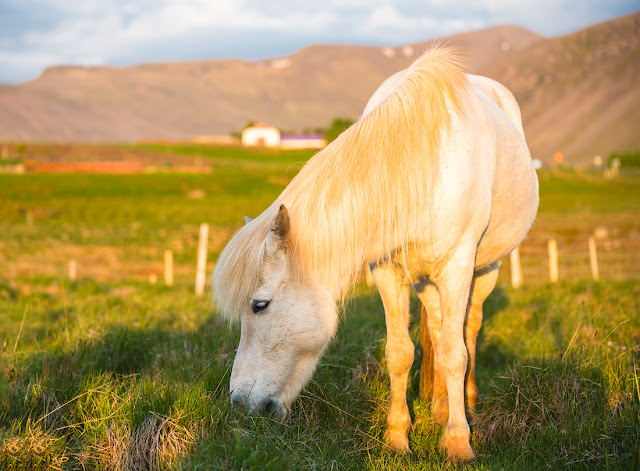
x: 580, y: 93
x: 577, y: 92
x: 179, y: 100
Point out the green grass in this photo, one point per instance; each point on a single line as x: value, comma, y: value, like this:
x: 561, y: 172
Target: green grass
x: 221, y: 156
x: 630, y: 158
x: 142, y: 215
x: 568, y: 193
x: 123, y: 374
x: 98, y: 365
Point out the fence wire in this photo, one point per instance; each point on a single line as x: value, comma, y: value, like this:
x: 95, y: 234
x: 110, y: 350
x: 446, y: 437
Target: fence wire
x: 617, y: 260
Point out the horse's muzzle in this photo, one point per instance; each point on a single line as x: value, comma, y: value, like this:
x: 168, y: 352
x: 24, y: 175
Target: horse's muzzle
x: 270, y: 406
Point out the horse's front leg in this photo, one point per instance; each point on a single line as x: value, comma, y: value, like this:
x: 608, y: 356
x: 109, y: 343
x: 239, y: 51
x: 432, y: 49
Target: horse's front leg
x: 394, y: 291
x: 454, y: 284
x: 482, y: 285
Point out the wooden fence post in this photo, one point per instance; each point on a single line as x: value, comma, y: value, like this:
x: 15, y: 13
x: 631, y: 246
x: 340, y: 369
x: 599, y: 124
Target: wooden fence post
x: 72, y: 270
x: 553, y: 261
x: 168, y: 267
x: 202, y: 259
x: 516, y: 269
x: 593, y: 258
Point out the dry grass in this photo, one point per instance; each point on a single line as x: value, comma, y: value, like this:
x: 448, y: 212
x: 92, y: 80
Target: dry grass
x: 111, y: 451
x: 154, y: 445
x: 34, y: 450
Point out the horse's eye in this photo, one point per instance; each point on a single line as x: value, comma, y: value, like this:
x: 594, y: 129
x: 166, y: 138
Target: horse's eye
x: 259, y: 306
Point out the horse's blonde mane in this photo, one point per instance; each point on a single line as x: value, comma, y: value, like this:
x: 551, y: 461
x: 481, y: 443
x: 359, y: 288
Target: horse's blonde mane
x: 363, y: 190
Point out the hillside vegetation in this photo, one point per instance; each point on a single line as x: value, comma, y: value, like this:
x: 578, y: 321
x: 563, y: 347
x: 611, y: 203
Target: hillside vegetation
x: 578, y: 93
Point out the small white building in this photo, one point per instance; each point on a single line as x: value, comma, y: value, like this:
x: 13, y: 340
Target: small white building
x: 261, y: 135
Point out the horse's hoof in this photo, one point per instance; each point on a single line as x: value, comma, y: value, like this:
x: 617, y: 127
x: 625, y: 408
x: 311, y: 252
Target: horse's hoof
x: 398, y: 443
x: 462, y: 453
x: 457, y: 446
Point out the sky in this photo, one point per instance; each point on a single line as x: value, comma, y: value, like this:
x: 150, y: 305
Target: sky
x: 35, y: 34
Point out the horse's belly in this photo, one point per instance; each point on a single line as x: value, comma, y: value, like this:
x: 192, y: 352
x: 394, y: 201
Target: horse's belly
x: 513, y: 208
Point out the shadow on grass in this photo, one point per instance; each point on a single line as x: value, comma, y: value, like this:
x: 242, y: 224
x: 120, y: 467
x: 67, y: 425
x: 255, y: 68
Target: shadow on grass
x: 556, y: 413
x: 159, y: 374
x: 126, y: 398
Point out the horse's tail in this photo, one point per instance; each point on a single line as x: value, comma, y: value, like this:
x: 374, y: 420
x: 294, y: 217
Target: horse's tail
x: 426, y: 369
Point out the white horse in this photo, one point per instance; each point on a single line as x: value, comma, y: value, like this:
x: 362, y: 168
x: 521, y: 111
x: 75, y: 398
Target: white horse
x: 431, y: 187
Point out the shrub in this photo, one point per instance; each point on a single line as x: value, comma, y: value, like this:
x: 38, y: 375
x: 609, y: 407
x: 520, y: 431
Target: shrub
x: 627, y: 159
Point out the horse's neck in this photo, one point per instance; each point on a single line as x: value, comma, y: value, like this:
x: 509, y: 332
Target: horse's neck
x: 358, y: 198
x: 335, y: 221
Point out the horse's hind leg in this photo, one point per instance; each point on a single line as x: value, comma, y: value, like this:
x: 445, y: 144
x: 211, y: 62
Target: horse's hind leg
x: 426, y: 363
x: 430, y: 298
x: 483, y: 284
x: 394, y: 291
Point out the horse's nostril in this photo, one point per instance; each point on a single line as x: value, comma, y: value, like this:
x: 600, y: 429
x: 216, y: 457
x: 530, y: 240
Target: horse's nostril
x: 236, y: 400
x: 271, y: 407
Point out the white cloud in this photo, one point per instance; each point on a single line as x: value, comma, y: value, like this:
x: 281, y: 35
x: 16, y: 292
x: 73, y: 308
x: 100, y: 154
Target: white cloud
x: 389, y: 24
x: 47, y: 32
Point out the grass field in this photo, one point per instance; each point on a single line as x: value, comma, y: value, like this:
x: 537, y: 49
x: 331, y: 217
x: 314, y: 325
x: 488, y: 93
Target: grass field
x: 117, y: 226
x: 117, y: 373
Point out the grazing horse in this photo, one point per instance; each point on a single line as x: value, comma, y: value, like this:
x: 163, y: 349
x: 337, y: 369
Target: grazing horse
x: 432, y: 187
x: 432, y: 384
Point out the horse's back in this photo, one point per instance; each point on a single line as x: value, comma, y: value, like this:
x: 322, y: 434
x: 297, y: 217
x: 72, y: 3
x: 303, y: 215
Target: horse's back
x: 500, y: 95
x: 497, y: 92
x: 383, y: 91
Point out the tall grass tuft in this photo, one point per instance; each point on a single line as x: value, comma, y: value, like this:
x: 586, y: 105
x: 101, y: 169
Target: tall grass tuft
x: 562, y: 413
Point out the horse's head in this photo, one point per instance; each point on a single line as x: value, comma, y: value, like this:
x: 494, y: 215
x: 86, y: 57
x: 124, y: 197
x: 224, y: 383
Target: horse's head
x: 286, y: 325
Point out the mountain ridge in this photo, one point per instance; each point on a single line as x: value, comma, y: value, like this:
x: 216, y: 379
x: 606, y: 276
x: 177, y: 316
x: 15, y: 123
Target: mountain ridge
x: 317, y: 83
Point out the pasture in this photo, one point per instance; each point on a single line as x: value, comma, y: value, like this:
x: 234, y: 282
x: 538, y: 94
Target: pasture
x: 112, y: 372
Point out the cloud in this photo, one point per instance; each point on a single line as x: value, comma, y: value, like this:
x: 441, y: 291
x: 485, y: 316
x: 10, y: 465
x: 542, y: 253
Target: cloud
x: 392, y: 25
x: 39, y: 33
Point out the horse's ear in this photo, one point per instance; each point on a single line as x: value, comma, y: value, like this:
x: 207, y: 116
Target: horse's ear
x: 247, y: 220
x: 277, y: 237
